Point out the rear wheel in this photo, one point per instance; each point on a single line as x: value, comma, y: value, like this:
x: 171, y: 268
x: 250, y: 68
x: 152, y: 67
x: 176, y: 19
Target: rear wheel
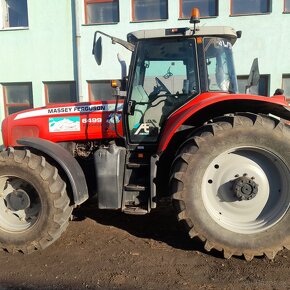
x: 231, y: 185
x: 34, y: 205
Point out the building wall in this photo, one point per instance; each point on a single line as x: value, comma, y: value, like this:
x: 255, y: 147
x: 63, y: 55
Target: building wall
x: 47, y: 50
x: 42, y: 52
x: 263, y: 36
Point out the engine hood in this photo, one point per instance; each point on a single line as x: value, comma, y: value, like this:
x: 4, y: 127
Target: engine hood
x: 64, y: 122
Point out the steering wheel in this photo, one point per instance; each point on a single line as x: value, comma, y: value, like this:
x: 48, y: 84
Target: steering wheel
x: 161, y: 86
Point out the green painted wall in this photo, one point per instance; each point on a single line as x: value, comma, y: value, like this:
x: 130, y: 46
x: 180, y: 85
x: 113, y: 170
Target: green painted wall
x: 42, y: 52
x: 264, y: 36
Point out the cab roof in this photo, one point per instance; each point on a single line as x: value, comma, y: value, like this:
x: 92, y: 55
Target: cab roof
x: 217, y: 31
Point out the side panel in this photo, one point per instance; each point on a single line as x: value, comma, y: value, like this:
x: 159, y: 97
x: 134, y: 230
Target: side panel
x: 216, y: 104
x: 64, y: 122
x: 69, y: 165
x: 109, y: 164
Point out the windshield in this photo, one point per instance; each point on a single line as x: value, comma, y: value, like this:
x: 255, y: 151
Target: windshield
x: 220, y: 66
x: 165, y: 77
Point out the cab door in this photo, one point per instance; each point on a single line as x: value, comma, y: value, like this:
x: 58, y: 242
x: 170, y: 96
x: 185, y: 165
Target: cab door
x: 164, y: 78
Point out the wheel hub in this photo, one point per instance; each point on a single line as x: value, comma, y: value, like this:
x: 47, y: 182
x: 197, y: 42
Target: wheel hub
x: 17, y: 200
x: 245, y: 188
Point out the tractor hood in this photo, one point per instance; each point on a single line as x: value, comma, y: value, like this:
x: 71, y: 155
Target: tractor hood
x: 64, y: 122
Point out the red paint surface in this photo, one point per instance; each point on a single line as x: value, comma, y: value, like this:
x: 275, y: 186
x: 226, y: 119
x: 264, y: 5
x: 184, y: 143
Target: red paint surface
x: 202, y: 101
x: 93, y: 124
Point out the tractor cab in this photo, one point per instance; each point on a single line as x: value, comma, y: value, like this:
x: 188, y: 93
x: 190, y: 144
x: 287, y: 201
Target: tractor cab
x: 170, y: 68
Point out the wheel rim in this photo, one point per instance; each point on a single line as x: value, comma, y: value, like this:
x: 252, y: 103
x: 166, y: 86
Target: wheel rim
x: 262, y: 171
x: 20, y: 205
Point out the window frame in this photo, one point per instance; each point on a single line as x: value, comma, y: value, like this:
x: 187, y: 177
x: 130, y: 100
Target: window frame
x: 90, y: 82
x: 5, y: 25
x: 285, y: 10
x: 146, y: 20
x: 86, y: 2
x: 254, y: 13
x: 46, y: 95
x: 5, y: 100
x: 264, y: 76
x: 202, y: 17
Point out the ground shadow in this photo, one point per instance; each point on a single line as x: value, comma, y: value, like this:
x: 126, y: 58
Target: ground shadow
x: 160, y: 225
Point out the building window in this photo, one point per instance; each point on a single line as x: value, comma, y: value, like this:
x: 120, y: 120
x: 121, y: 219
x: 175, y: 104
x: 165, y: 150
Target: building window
x: 101, y: 11
x: 60, y: 92
x: 287, y: 6
x: 100, y: 90
x: 286, y: 86
x: 13, y: 13
x: 207, y: 8
x: 149, y: 10
x: 262, y: 89
x: 17, y: 97
x: 246, y: 7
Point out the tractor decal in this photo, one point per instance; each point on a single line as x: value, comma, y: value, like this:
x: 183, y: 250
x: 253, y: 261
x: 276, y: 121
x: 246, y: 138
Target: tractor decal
x: 69, y: 110
x: 64, y: 124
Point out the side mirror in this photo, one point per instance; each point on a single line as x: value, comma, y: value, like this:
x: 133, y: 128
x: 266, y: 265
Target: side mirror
x: 279, y: 92
x: 254, y: 76
x: 98, y: 50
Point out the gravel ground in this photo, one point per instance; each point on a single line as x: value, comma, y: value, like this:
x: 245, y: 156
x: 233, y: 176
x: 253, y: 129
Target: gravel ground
x: 111, y: 250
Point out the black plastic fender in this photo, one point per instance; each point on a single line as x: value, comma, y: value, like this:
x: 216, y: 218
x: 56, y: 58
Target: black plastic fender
x: 66, y: 161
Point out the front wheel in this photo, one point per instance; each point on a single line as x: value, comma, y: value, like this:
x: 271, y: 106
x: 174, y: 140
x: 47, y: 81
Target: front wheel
x: 231, y: 185
x: 34, y: 205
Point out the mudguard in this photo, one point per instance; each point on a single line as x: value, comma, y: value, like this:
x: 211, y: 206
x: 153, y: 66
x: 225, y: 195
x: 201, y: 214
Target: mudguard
x: 209, y: 105
x: 66, y: 161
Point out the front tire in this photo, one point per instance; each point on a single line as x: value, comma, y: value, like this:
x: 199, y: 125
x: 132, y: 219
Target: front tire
x: 34, y: 205
x: 231, y: 185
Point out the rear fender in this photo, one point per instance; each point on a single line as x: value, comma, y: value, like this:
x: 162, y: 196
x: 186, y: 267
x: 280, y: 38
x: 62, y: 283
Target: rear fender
x: 67, y: 163
x: 197, y: 112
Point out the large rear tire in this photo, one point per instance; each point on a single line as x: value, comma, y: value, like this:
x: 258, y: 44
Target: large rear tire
x: 34, y: 205
x: 231, y: 185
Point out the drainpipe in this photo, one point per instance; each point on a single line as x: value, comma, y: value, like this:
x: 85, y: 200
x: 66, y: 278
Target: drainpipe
x: 76, y: 47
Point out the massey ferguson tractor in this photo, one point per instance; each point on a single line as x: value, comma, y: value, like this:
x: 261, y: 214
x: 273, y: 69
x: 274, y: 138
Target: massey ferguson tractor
x: 177, y: 127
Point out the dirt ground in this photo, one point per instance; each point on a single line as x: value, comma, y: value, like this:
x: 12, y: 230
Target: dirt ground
x: 111, y: 250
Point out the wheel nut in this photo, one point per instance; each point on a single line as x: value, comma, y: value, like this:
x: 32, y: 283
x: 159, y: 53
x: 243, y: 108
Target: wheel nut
x: 245, y: 188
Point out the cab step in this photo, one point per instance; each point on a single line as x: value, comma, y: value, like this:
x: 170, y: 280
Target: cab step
x: 134, y: 187
x: 133, y: 165
x: 135, y: 211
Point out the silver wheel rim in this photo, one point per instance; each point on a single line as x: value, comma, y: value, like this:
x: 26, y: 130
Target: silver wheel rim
x: 262, y: 211
x: 12, y: 220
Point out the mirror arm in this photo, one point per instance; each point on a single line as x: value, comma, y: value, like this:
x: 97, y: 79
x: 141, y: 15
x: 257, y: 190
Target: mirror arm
x: 124, y: 43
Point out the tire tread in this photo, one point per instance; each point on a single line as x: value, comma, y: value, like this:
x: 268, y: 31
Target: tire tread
x: 186, y: 153
x: 56, y: 187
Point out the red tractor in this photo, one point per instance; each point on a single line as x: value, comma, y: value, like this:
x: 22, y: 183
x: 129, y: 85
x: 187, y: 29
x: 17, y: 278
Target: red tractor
x: 177, y: 128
